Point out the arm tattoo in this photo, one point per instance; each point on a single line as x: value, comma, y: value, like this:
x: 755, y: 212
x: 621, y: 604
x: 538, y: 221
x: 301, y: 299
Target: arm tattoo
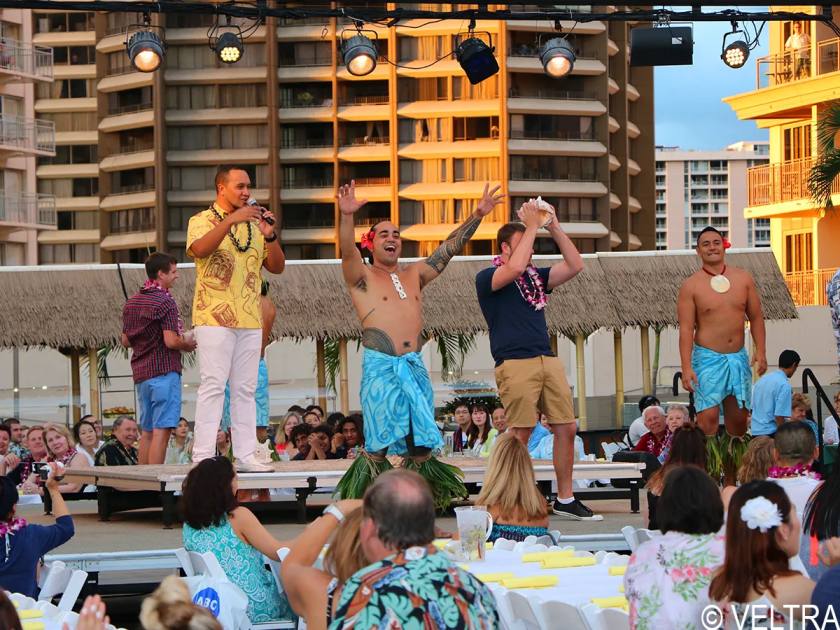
x: 453, y: 244
x: 378, y: 340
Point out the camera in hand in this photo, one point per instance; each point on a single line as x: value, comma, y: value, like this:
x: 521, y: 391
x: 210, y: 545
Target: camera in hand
x: 255, y: 203
x: 42, y: 469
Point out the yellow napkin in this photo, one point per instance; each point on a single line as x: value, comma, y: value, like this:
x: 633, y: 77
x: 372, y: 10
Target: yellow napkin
x: 539, y: 556
x: 33, y: 625
x: 620, y: 569
x: 30, y: 613
x: 619, y: 601
x: 568, y: 563
x: 488, y: 545
x: 533, y: 581
x: 621, y: 588
x: 494, y: 577
x: 440, y: 543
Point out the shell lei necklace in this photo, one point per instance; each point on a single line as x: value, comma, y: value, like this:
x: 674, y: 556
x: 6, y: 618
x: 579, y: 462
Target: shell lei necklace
x: 231, y: 234
x: 530, y: 285
x: 395, y: 280
x: 719, y: 282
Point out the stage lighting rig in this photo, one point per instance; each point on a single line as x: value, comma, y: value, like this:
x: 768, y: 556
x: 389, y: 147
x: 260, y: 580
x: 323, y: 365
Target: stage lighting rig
x: 736, y: 53
x: 359, y: 51
x: 145, y: 48
x: 476, y: 56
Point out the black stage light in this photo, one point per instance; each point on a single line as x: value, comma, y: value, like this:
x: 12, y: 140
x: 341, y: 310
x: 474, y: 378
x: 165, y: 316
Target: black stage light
x: 736, y: 53
x: 229, y: 48
x: 476, y: 58
x: 662, y: 46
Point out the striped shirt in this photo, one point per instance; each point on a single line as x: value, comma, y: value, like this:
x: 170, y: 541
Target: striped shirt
x: 145, y: 316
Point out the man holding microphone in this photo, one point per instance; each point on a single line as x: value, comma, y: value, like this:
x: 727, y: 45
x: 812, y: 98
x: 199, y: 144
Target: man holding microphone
x: 230, y: 242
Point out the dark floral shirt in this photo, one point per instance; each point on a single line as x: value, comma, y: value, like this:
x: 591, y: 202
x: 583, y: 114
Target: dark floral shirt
x: 415, y: 589
x: 115, y: 454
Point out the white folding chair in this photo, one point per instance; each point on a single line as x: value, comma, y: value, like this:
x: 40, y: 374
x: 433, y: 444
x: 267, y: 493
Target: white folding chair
x: 186, y: 563
x: 644, y: 535
x: 555, y: 614
x: 206, y: 564
x: 60, y: 579
x: 502, y: 606
x: 629, y: 533
x: 614, y: 619
x: 525, y: 618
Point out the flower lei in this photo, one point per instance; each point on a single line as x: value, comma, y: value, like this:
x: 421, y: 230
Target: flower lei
x: 12, y: 526
x: 154, y: 285
x: 800, y: 470
x: 530, y: 285
x: 761, y: 513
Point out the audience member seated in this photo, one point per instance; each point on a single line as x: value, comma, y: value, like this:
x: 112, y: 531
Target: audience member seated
x: 461, y: 437
x: 667, y: 578
x: 312, y: 591
x: 409, y: 584
x: 63, y: 451
x: 820, y: 521
x: 317, y: 409
x: 826, y: 595
x: 30, y: 482
x: 264, y: 449
x: 87, y: 443
x: 755, y: 465
x: 688, y: 448
x: 223, y: 444
x: 17, y: 431
x: 510, y: 492
x: 312, y: 419
x: 795, y: 451
x: 481, y: 434
x: 499, y: 419
x: 349, y: 437
x: 119, y: 449
x: 23, y: 545
x: 654, y: 440
x: 170, y: 607
x: 97, y: 423
x: 334, y: 421
x: 830, y: 432
x: 535, y: 442
x: 179, y: 449
x: 283, y: 443
x: 800, y: 409
x: 675, y: 417
x: 215, y: 522
x: 637, y: 427
x: 762, y: 534
x: 300, y: 438
x: 10, y: 464
x: 320, y: 443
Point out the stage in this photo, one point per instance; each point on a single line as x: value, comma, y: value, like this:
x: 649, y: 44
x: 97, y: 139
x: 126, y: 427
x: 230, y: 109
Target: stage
x: 121, y: 488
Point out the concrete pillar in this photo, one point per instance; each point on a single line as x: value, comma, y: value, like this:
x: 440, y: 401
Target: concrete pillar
x: 321, y: 372
x: 93, y: 378
x: 580, y: 366
x: 645, y: 340
x: 75, y: 387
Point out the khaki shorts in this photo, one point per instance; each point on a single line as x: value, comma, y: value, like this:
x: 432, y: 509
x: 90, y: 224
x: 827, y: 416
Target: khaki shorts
x: 528, y: 386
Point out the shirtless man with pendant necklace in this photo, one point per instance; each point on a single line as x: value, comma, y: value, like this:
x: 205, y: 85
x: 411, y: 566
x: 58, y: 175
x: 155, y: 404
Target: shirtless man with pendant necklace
x: 396, y: 393
x: 711, y: 308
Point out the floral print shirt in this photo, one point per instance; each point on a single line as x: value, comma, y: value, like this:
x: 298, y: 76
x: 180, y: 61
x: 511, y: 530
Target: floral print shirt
x: 415, y: 589
x: 667, y: 580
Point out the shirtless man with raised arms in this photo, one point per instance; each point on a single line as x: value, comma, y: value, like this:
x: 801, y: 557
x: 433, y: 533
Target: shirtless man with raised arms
x: 396, y: 393
x: 711, y: 308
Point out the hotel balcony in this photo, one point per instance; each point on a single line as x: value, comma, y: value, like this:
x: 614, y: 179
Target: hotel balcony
x: 365, y: 149
x: 553, y: 101
x: 782, y: 183
x: 27, y: 211
x: 24, y: 62
x: 790, y: 66
x: 807, y: 288
x: 28, y: 136
x: 524, y: 142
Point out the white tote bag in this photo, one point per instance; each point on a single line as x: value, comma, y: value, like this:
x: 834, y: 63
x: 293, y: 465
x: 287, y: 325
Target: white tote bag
x: 224, y: 599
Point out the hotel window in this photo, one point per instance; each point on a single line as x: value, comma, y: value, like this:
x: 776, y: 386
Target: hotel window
x: 799, y: 252
x: 304, y: 54
x: 77, y: 187
x: 247, y: 95
x: 134, y: 220
x: 76, y: 55
x: 63, y: 22
x: 67, y: 88
x: 178, y: 218
x: 422, y: 171
x: 72, y: 154
x: 88, y: 220
x: 475, y: 169
x: 68, y: 253
x: 796, y: 142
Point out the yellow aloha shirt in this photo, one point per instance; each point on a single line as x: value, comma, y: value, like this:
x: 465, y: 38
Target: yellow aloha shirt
x: 227, y: 283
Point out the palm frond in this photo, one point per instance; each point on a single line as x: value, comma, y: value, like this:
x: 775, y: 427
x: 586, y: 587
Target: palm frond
x: 823, y: 174
x: 453, y: 350
x: 332, y: 362
x: 828, y: 128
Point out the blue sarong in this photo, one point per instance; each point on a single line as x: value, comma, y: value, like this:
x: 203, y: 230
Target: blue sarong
x: 260, y: 396
x: 720, y: 375
x: 397, y: 391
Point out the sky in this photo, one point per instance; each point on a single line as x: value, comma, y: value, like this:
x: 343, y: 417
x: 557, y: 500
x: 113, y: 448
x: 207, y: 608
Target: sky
x: 689, y: 112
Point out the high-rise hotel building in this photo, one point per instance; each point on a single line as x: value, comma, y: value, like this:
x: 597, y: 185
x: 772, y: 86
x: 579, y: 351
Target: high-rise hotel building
x: 26, y: 217
x: 137, y: 152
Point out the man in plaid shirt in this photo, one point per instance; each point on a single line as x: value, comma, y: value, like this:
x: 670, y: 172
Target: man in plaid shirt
x: 152, y: 329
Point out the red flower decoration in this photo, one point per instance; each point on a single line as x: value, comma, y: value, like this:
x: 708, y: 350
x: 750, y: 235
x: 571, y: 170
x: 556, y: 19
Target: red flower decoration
x: 726, y: 243
x: 367, y: 241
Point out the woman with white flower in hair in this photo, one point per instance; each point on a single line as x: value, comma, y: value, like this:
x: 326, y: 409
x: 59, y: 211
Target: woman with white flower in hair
x: 762, y: 534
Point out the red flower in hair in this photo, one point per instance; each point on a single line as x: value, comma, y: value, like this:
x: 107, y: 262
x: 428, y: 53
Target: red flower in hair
x: 726, y: 243
x: 367, y: 241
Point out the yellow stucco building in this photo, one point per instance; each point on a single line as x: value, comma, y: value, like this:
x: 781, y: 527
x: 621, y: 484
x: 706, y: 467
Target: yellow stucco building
x: 794, y: 85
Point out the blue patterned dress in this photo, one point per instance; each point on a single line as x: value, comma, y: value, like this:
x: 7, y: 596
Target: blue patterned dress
x: 244, y: 566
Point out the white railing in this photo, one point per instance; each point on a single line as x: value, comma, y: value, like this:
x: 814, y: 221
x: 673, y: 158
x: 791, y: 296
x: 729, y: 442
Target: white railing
x: 27, y: 134
x: 28, y: 209
x: 20, y: 58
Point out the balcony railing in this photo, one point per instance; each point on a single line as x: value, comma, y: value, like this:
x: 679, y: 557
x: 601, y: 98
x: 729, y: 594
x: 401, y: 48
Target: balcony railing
x: 807, y: 288
x: 27, y: 134
x: 793, y: 65
x: 787, y: 181
x: 374, y: 99
x: 130, y: 189
x: 28, y: 209
x: 307, y: 183
x: 371, y: 181
x: 535, y: 176
x: 308, y: 222
x: 549, y: 93
x: 565, y: 216
x: 306, y: 143
x: 20, y: 58
x: 520, y: 134
x: 305, y: 100
x: 368, y: 140
x: 367, y: 221
x: 128, y: 109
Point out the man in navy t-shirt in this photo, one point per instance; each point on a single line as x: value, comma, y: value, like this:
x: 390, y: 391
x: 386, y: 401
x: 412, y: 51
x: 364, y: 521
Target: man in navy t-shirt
x: 513, y: 295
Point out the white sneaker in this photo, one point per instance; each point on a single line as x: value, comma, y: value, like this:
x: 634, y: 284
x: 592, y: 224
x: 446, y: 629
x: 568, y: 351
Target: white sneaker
x: 252, y: 465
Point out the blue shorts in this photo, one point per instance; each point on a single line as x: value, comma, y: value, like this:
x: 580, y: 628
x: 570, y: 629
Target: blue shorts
x: 261, y: 398
x: 160, y: 402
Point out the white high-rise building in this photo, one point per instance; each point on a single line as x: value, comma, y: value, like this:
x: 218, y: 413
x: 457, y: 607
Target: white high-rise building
x: 699, y: 188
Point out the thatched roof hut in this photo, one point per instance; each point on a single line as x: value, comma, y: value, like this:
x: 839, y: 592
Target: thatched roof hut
x: 81, y: 306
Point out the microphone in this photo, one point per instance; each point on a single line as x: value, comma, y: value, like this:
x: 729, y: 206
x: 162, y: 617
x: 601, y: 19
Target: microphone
x: 255, y: 203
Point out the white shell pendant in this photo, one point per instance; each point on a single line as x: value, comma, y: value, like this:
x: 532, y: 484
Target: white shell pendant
x: 720, y: 283
x: 398, y: 286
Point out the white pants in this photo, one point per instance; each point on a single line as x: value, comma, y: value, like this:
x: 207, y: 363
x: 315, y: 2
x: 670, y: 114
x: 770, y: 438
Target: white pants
x: 227, y: 355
